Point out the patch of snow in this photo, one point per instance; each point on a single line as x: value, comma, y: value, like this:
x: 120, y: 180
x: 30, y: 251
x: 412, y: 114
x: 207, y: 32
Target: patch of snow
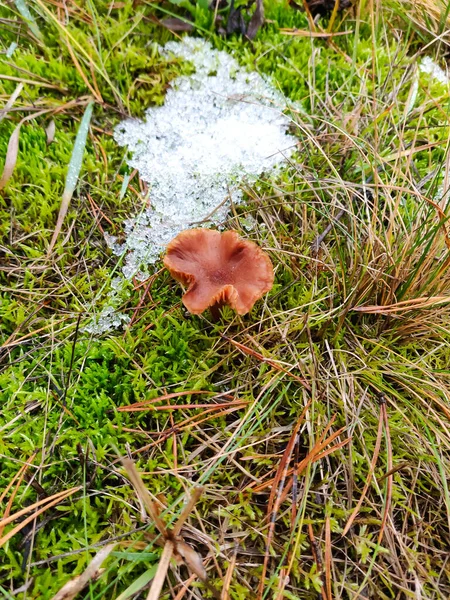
x: 427, y: 65
x: 107, y: 320
x: 217, y: 126
x: 110, y: 318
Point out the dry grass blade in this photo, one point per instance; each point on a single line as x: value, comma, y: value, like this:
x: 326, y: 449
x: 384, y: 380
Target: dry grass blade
x: 317, y: 558
x: 145, y: 403
x: 216, y: 406
x: 284, y: 580
x: 163, y: 566
x: 369, y: 476
x: 328, y: 558
x: 390, y: 476
x: 39, y: 83
x: 96, y: 94
x: 49, y: 502
x: 73, y: 171
x: 333, y: 15
x: 277, y: 489
x: 313, y: 34
x: 91, y: 573
x: 143, y: 494
x: 28, y: 17
x: 11, y: 101
x: 228, y: 577
x: 186, y: 424
x: 405, y: 305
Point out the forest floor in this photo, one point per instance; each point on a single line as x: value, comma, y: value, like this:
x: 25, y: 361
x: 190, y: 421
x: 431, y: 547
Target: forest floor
x: 318, y: 425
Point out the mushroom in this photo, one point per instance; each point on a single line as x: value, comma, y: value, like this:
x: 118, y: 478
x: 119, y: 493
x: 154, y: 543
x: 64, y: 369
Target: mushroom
x: 218, y: 268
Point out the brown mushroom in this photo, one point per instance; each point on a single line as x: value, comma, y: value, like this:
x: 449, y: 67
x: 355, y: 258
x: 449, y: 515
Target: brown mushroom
x: 218, y: 268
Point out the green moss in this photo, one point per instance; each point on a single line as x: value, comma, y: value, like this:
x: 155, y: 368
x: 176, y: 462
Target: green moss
x: 362, y: 147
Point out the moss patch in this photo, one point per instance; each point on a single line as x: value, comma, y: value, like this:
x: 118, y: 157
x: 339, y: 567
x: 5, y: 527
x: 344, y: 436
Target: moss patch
x: 367, y: 174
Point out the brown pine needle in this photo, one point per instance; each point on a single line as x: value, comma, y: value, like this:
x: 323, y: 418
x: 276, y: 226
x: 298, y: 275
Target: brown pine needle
x: 19, y: 476
x: 277, y: 488
x: 312, y: 456
x: 246, y: 350
x: 49, y: 502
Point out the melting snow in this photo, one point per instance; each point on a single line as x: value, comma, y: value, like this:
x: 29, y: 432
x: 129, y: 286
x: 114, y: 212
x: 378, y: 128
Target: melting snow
x: 218, y: 126
x: 427, y: 65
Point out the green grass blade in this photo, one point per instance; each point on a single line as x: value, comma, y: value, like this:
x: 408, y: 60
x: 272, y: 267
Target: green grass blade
x: 74, y: 170
x: 28, y: 17
x: 140, y: 582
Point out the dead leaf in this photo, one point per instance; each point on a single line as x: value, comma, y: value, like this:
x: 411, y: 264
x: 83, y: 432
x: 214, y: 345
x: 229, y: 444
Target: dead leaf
x: 236, y: 21
x: 192, y: 559
x: 256, y: 21
x: 175, y: 24
x: 91, y: 573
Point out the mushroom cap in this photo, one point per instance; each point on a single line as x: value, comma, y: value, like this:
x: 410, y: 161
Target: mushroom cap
x: 218, y: 268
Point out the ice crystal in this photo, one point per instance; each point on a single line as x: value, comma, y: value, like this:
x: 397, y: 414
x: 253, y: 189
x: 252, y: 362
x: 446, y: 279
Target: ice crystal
x: 427, y: 65
x: 110, y: 317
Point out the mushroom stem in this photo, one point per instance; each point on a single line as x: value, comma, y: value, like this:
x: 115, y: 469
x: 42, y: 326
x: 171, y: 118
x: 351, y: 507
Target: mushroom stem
x: 215, y: 311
